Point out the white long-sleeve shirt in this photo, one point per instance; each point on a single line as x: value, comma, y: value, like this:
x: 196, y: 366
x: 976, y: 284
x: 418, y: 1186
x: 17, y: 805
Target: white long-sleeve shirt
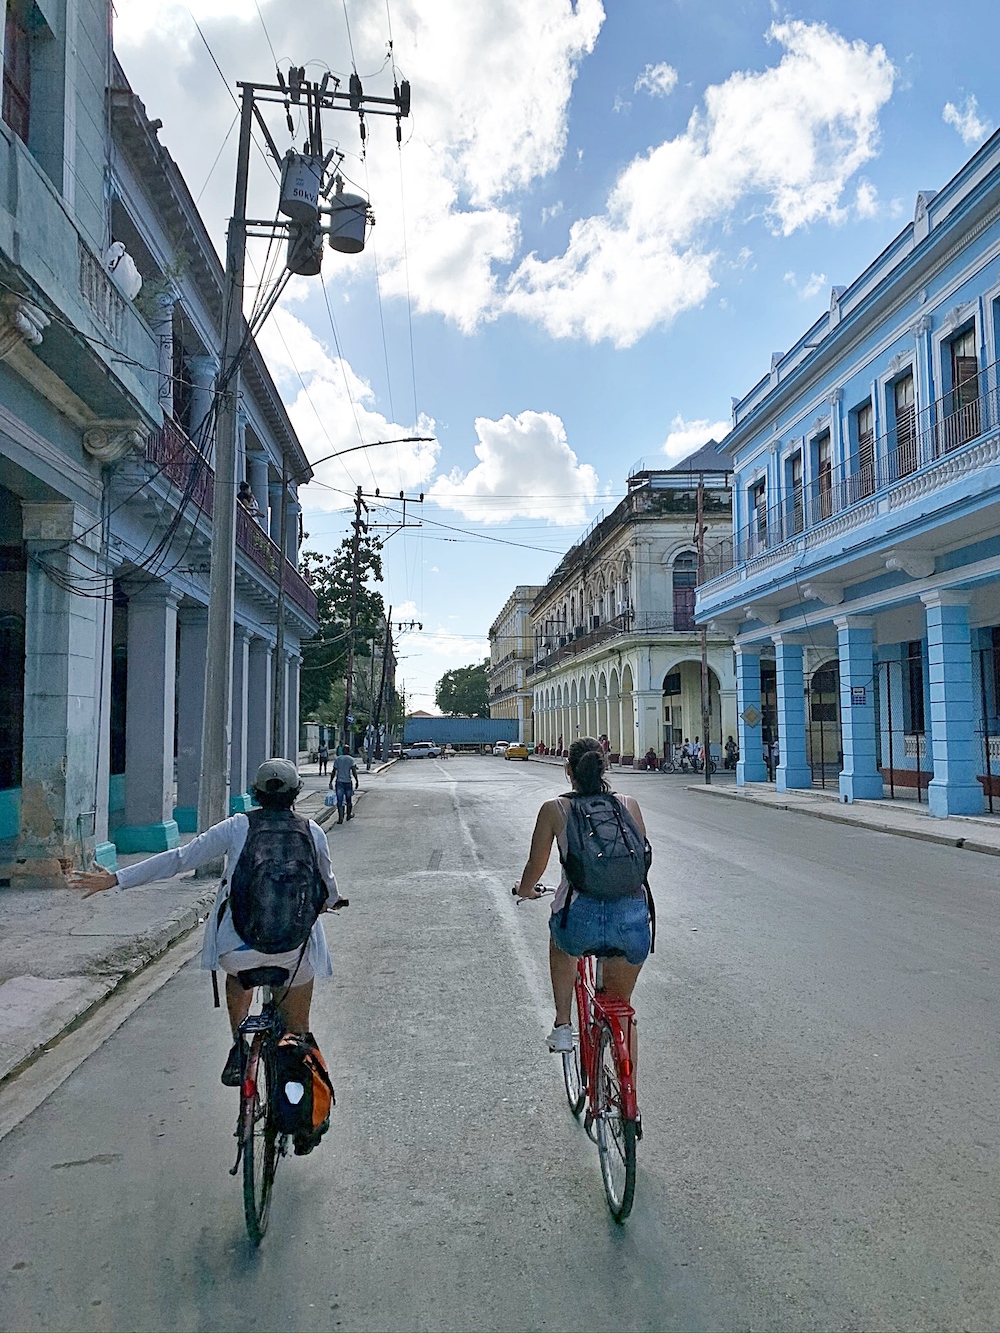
x: 226, y: 839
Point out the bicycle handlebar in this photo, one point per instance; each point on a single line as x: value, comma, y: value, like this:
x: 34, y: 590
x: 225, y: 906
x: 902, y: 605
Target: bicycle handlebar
x: 543, y: 889
x: 341, y: 902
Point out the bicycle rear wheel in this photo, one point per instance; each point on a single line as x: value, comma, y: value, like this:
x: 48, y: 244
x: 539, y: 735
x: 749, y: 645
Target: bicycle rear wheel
x: 576, y: 1088
x: 260, y: 1149
x: 615, y: 1134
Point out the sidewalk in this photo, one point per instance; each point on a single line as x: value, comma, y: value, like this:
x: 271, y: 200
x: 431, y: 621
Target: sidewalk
x: 972, y: 833
x: 62, y: 955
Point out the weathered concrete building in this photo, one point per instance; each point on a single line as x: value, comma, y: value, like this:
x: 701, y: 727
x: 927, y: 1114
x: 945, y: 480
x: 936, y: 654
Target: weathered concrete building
x: 106, y: 481
x: 616, y: 649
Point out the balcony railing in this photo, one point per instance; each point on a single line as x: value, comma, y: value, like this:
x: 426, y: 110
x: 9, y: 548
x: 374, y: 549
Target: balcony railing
x: 190, y: 471
x: 916, y: 447
x: 579, y: 644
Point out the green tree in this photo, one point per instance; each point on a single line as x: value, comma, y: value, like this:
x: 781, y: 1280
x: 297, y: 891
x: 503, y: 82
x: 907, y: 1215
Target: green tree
x: 464, y: 692
x: 324, y: 658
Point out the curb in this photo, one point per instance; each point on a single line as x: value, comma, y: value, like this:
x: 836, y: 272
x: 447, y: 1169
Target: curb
x: 873, y: 824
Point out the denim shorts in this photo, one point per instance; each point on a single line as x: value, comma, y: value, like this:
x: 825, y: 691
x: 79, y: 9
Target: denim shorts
x: 607, y: 929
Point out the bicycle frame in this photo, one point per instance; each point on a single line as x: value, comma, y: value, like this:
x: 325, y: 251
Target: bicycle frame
x: 596, y: 1008
x: 260, y: 1028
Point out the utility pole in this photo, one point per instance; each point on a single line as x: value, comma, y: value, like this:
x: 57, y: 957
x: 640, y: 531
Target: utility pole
x: 303, y: 205
x: 359, y: 525
x: 213, y: 785
x: 387, y: 649
x: 706, y: 703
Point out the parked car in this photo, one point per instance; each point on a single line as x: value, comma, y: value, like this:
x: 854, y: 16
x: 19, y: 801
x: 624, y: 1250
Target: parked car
x: 421, y: 750
x: 516, y: 751
x: 396, y: 751
x: 499, y: 748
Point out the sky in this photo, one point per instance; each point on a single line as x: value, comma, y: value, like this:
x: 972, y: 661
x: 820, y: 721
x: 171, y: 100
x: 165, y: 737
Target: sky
x: 602, y: 221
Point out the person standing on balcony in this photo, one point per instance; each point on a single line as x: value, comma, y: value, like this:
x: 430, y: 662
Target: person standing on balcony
x: 247, y: 499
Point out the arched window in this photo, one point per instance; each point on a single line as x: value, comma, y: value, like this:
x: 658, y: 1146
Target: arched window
x: 685, y: 582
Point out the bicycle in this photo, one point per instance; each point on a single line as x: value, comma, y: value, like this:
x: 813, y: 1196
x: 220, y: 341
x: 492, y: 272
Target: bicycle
x: 259, y: 1143
x: 598, y: 1073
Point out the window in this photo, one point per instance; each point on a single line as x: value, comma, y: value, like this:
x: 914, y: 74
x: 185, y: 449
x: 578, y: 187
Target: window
x: 17, y: 72
x: 796, y: 513
x: 758, y: 508
x: 913, y: 689
x: 685, y: 582
x: 963, y: 422
x: 863, y: 480
x: 824, y: 474
x: 906, y: 425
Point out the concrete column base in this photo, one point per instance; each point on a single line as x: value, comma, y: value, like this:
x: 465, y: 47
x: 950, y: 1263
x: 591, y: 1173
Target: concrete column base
x: 147, y: 837
x: 186, y: 818
x: 106, y: 856
x: 860, y: 787
x: 241, y: 804
x: 944, y: 800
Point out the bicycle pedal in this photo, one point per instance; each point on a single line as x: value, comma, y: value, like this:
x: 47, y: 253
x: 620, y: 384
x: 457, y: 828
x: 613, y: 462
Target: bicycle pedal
x: 638, y: 1128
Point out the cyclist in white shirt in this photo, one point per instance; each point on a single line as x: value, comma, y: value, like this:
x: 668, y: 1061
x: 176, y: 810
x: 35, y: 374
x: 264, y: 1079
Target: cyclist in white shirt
x: 275, y: 787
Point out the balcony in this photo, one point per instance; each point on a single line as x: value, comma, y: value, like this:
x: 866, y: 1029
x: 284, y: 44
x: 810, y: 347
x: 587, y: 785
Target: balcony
x: 611, y: 629
x: 176, y: 458
x: 922, y: 454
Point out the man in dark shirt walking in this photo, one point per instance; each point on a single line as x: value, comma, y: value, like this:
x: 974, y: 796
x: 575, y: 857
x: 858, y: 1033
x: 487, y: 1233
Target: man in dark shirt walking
x: 344, y: 769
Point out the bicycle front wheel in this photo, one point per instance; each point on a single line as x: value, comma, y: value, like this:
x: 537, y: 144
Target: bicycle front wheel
x: 576, y: 1089
x: 615, y: 1134
x: 260, y: 1151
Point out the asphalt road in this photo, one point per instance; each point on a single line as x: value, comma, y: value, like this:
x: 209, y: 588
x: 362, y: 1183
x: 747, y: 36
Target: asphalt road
x: 818, y: 1084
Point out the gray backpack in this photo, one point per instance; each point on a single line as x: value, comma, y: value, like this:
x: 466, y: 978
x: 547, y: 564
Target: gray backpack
x: 607, y: 857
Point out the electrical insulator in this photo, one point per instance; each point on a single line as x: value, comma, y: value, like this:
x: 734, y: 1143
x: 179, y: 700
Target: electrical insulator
x: 364, y: 132
x: 403, y: 98
x: 399, y: 130
x: 356, y: 91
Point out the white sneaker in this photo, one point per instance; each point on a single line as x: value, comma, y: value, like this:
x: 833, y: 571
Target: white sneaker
x: 560, y: 1039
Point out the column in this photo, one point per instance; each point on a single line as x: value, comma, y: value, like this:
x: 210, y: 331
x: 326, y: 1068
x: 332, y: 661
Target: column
x: 203, y: 370
x: 953, y: 790
x: 860, y: 779
x: 292, y: 663
x: 105, y: 851
x: 274, y: 509
x: 241, y: 444
x: 649, y: 708
x: 239, y: 796
x: 258, y: 706
x: 293, y: 509
x: 192, y: 650
x: 279, y: 705
x: 163, y: 332
x: 62, y: 685
x: 793, y: 771
x: 149, y: 707
x: 751, y: 766
x: 257, y: 476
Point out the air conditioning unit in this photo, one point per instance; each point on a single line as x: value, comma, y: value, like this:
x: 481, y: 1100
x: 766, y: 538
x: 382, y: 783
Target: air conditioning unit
x: 562, y: 640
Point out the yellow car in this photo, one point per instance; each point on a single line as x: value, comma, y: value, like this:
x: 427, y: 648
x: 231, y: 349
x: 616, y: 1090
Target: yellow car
x: 516, y: 751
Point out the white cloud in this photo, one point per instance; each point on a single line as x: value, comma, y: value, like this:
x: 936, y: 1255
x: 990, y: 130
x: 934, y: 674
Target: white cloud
x: 866, y: 200
x: 491, y: 90
x: 793, y: 134
x: 552, y: 211
x: 525, y: 462
x: 687, y: 436
x: 808, y: 289
x: 323, y: 406
x: 966, y: 120
x: 657, y: 80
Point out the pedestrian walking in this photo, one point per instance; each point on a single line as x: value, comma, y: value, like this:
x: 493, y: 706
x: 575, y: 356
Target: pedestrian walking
x: 344, y: 770
x: 324, y: 755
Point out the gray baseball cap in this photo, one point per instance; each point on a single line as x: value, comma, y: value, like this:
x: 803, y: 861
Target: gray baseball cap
x: 277, y: 775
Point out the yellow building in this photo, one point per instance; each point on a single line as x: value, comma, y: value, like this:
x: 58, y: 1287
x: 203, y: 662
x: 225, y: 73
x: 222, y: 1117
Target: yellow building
x: 511, y: 653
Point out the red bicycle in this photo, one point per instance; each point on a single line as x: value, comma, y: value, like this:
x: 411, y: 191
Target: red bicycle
x: 600, y: 1076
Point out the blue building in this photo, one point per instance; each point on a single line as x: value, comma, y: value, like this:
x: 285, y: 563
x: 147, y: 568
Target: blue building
x: 110, y: 332
x: 862, y: 581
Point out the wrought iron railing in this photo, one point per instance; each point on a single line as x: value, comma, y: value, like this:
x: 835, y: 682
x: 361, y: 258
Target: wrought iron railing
x: 916, y: 445
x: 190, y: 471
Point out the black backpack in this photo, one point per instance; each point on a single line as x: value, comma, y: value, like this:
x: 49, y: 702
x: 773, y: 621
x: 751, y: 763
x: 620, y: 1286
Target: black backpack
x: 277, y: 891
x: 607, y: 857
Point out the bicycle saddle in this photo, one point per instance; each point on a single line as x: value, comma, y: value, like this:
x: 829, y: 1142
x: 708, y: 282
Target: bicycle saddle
x: 263, y: 976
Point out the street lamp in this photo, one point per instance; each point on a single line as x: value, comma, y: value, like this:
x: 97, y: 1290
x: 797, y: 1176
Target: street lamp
x: 372, y: 444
